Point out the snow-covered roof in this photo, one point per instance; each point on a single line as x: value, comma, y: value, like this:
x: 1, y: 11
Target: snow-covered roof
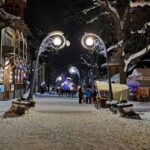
x: 115, y: 78
x: 141, y: 71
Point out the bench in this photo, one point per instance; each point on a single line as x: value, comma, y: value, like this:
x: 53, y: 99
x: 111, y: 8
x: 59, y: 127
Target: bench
x: 124, y: 108
x: 116, y: 106
x: 127, y: 111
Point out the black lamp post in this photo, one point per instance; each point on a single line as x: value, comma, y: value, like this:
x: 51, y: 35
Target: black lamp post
x: 92, y: 42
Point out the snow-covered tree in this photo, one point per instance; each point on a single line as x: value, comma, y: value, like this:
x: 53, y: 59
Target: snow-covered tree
x: 121, y: 17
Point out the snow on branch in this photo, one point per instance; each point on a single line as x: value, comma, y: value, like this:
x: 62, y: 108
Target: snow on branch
x: 114, y: 11
x: 142, y: 31
x: 136, y: 55
x: 141, y: 4
x: 147, y: 24
x: 85, y: 11
x: 85, y: 62
x: 115, y: 46
x: 96, y: 17
x: 92, y: 20
x: 139, y: 31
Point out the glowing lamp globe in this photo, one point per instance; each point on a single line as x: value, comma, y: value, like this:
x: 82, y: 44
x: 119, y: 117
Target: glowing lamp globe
x: 59, y: 79
x: 89, y: 41
x: 57, y: 41
x: 72, y: 70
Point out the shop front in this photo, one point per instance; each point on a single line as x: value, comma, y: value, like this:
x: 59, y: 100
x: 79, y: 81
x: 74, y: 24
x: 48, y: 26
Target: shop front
x: 139, y: 84
x: 14, y: 58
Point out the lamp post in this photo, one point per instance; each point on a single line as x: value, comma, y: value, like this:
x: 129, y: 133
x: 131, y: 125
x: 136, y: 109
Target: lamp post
x: 92, y: 42
x: 55, y: 41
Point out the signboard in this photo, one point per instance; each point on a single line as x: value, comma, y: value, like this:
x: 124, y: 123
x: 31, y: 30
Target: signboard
x: 1, y: 88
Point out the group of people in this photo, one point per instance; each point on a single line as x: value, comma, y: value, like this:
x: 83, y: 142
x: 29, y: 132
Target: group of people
x: 69, y: 93
x: 89, y: 95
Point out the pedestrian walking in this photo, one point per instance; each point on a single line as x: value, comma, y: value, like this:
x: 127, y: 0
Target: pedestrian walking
x: 94, y: 94
x: 80, y: 96
x: 88, y: 96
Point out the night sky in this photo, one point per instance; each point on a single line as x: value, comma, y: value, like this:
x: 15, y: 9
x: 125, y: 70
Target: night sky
x: 64, y: 15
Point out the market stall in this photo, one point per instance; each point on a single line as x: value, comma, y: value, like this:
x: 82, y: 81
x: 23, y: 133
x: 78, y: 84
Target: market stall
x: 120, y: 91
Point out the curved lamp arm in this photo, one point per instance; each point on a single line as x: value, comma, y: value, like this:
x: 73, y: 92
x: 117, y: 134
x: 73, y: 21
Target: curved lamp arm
x: 55, y: 40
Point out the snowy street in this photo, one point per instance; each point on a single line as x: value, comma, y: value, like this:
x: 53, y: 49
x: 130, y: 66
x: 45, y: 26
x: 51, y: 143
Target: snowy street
x: 58, y: 123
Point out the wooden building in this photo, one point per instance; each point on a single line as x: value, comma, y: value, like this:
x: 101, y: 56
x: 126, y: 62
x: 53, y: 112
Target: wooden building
x: 14, y: 48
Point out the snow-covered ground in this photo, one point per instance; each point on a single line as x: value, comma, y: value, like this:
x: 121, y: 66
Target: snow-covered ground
x: 4, y: 106
x: 63, y: 124
x: 143, y: 108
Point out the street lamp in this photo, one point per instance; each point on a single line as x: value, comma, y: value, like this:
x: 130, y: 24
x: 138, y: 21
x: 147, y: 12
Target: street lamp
x: 93, y: 42
x: 59, y: 79
x: 73, y: 70
x: 55, y: 41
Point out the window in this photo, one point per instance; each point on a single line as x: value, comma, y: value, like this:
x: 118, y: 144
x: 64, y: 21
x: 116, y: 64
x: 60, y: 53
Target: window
x: 13, y: 9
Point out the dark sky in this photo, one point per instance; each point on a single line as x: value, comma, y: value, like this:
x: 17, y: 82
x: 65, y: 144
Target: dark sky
x: 64, y: 15
x: 51, y: 15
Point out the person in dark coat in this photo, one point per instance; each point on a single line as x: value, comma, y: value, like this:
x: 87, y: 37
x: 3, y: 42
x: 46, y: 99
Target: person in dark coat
x: 94, y: 94
x: 80, y: 96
